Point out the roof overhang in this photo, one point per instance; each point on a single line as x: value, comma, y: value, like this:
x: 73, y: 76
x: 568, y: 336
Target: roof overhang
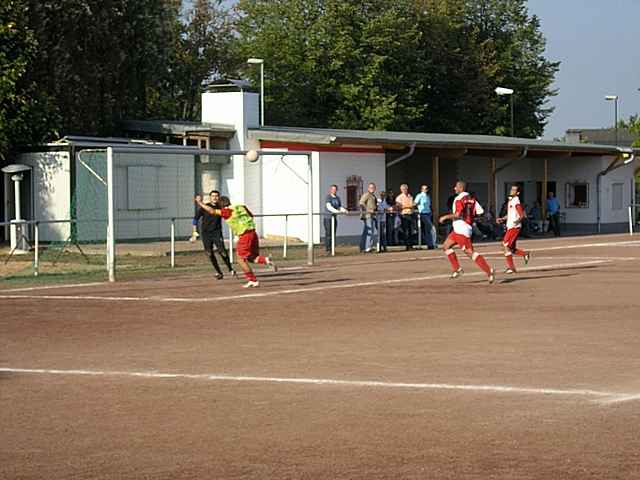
x: 181, y: 128
x: 480, y: 145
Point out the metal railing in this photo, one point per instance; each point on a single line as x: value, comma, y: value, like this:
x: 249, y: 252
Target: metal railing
x: 228, y: 237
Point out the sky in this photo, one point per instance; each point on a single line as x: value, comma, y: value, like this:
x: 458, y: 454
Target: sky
x: 598, y: 45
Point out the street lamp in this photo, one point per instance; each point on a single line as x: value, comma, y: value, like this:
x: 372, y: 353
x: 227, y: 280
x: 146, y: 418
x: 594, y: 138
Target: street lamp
x: 507, y: 91
x: 614, y: 99
x: 260, y: 61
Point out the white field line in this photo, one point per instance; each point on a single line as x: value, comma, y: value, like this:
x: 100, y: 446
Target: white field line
x: 404, y: 259
x: 49, y: 287
x: 286, y: 291
x: 602, y: 396
x: 619, y: 398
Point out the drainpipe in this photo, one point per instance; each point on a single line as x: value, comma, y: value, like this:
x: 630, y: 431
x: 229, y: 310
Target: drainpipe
x: 612, y: 166
x: 412, y: 148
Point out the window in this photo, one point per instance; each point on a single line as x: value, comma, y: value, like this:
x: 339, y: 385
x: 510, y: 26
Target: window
x: 354, y: 192
x: 617, y: 190
x: 577, y: 195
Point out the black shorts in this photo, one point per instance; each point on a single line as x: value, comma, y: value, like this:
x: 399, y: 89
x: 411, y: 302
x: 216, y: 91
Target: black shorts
x: 211, y: 240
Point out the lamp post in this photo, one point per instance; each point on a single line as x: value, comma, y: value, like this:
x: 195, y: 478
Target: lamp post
x: 507, y: 91
x: 614, y: 99
x: 260, y: 61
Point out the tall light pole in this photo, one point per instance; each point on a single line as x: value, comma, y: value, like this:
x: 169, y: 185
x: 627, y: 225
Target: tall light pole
x: 614, y: 99
x: 507, y: 91
x: 260, y: 61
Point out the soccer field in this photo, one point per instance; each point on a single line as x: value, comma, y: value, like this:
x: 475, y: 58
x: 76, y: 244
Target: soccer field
x: 374, y: 366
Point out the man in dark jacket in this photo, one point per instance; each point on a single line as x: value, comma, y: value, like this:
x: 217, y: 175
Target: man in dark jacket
x: 211, y: 234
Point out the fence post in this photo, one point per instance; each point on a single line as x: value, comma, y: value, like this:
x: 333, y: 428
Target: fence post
x: 286, y: 236
x: 36, y: 258
x: 230, y: 246
x: 420, y: 231
x: 333, y: 235
x: 379, y: 248
x: 630, y: 220
x: 111, y: 226
x: 173, y: 243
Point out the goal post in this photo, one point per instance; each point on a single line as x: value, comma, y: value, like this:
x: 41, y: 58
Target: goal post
x: 113, y: 153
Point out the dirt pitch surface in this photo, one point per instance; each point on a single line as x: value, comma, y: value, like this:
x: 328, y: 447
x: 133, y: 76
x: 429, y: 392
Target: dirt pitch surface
x: 377, y: 366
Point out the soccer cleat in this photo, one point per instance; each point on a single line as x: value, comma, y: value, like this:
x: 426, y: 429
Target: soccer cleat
x: 272, y: 264
x: 492, y: 276
x: 457, y: 273
x: 219, y: 276
x: 527, y: 257
x: 509, y: 271
x: 251, y: 284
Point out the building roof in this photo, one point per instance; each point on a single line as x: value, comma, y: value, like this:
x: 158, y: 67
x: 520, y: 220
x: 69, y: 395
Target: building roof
x: 477, y: 143
x: 602, y: 136
x: 178, y: 127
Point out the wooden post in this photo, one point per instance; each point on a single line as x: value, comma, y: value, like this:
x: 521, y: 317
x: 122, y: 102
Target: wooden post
x: 493, y: 204
x: 435, y: 189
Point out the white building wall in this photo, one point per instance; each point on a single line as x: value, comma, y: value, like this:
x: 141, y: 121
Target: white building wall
x: 335, y: 167
x: 285, y: 190
x: 241, y: 182
x: 51, y: 191
x: 563, y: 171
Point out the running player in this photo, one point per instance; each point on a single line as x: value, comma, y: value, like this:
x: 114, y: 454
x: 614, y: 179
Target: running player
x: 212, y: 235
x: 464, y: 210
x: 515, y: 216
x: 240, y: 221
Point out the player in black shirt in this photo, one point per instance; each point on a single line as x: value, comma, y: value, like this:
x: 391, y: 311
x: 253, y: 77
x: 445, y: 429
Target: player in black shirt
x: 211, y: 234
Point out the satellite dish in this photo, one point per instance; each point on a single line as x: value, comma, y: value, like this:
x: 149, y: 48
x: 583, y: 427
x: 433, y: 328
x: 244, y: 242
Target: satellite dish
x: 15, y: 168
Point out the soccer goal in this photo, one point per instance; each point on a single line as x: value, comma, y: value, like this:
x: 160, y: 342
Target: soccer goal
x: 140, y: 193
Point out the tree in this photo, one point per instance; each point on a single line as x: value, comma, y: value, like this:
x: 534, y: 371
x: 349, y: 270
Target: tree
x: 345, y: 64
x: 25, y: 113
x: 100, y: 61
x: 203, y: 50
x: 429, y: 65
x: 633, y: 125
x: 518, y: 47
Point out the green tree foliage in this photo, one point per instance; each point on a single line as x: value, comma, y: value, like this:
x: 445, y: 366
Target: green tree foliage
x: 339, y: 63
x: 202, y: 51
x: 102, y: 61
x: 633, y: 125
x: 429, y: 65
x: 25, y: 113
x: 518, y: 45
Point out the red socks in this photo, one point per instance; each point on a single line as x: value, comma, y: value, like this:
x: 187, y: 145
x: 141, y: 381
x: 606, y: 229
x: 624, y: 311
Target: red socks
x: 509, y: 258
x: 451, y: 255
x: 520, y: 253
x: 250, y: 276
x: 261, y: 260
x: 481, y: 262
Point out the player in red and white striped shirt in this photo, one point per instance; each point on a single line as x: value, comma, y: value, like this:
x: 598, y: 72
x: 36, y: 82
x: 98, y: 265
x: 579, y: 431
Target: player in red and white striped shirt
x: 465, y: 209
x: 515, y: 216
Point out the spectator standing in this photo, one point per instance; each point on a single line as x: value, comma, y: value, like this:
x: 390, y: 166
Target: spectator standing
x: 553, y: 210
x: 405, y: 205
x: 333, y: 206
x: 423, y: 204
x: 535, y: 214
x: 369, y: 211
